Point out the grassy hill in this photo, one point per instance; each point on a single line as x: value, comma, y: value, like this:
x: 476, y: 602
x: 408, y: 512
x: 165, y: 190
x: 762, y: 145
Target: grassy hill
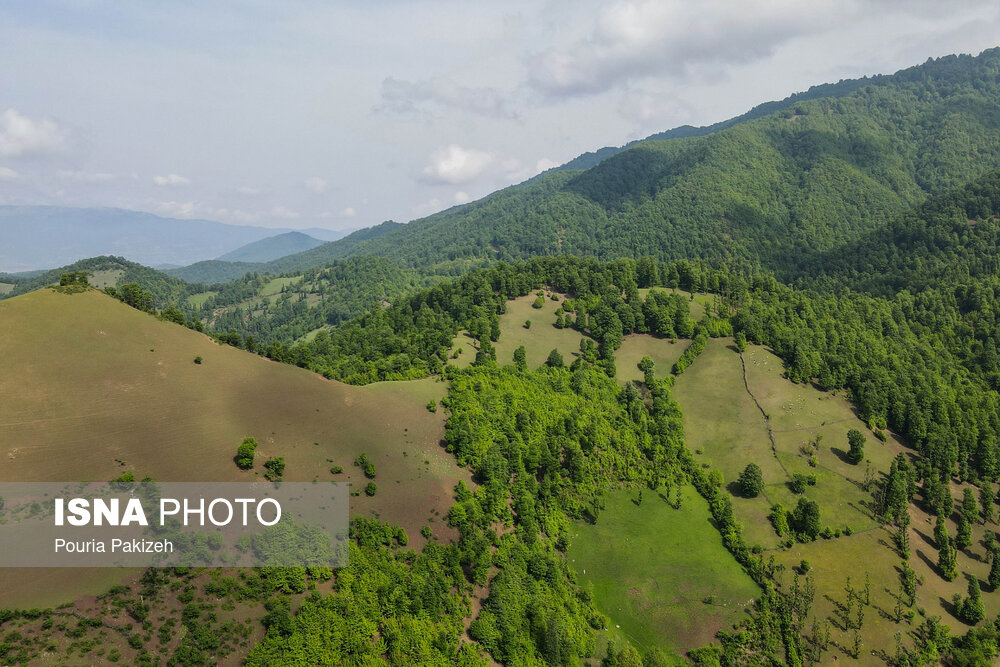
x: 113, y: 271
x: 92, y: 388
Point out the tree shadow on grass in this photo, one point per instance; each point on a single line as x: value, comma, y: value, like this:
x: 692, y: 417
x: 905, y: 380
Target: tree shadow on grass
x: 841, y: 454
x: 926, y: 538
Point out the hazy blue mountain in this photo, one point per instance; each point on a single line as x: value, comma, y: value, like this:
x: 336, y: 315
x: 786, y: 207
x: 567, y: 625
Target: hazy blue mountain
x: 42, y: 237
x: 216, y: 271
x: 272, y: 247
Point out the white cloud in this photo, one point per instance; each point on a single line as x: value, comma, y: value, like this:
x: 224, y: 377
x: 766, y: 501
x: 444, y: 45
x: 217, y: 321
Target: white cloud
x: 85, y: 176
x: 171, y: 181
x: 455, y: 165
x: 7, y: 174
x: 176, y: 209
x: 433, y: 96
x: 632, y: 39
x: 316, y: 185
x: 21, y: 136
x: 461, y: 197
x: 284, y: 213
x: 349, y: 212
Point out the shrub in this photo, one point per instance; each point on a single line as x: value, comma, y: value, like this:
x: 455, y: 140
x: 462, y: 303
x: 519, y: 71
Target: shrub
x: 370, y: 489
x: 336, y: 470
x: 197, y: 360
x: 245, y: 453
x: 274, y: 468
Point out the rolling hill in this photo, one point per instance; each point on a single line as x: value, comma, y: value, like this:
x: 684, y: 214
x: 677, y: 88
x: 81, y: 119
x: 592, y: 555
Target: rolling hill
x: 92, y: 388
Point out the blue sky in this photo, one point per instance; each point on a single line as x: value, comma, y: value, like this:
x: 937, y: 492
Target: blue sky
x: 341, y: 115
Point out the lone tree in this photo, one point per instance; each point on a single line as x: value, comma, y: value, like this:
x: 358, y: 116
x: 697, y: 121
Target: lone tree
x: 806, y: 519
x: 555, y: 359
x: 751, y: 481
x: 741, y: 341
x: 994, y: 578
x: 245, y: 453
x: 856, y: 440
x: 972, y: 610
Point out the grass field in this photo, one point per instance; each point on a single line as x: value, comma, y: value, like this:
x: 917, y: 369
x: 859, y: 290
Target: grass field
x: 725, y: 430
x: 6, y: 288
x: 275, y: 285
x: 636, y: 346
x: 90, y: 388
x: 658, y: 572
x: 541, y: 338
x: 198, y: 300
x: 723, y: 421
x: 106, y: 278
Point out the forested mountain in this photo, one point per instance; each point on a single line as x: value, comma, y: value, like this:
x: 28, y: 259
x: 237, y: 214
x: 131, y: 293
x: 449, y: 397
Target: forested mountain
x: 839, y: 89
x: 762, y: 192
x: 323, y: 254
x: 951, y: 238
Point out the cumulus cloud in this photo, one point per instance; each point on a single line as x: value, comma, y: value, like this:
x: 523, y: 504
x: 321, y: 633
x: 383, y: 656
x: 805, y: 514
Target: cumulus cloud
x: 433, y: 96
x: 349, y: 212
x: 85, y: 176
x: 284, y: 213
x: 632, y: 39
x: 316, y: 185
x: 7, y: 174
x: 171, y: 181
x: 21, y: 136
x: 454, y: 165
x: 176, y: 209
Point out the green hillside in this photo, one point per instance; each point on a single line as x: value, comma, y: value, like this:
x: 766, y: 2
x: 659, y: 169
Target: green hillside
x: 762, y: 192
x: 165, y: 289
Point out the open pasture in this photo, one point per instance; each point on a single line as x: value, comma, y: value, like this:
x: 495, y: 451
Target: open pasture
x: 541, y: 338
x: 90, y: 388
x: 660, y: 572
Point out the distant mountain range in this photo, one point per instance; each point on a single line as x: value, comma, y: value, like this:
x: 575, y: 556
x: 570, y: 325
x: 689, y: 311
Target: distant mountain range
x: 272, y: 247
x: 42, y: 237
